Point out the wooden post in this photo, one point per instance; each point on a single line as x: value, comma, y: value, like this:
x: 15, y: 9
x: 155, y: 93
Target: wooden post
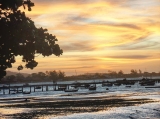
x: 3, y: 91
x: 34, y: 88
x: 9, y: 89
x: 22, y: 89
x: 58, y: 86
x: 46, y: 88
x: 30, y: 88
x: 55, y: 87
x: 42, y: 88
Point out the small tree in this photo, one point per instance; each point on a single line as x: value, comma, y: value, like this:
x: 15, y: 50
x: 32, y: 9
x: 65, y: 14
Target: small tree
x: 41, y: 75
x: 140, y: 72
x: 11, y: 78
x: 97, y: 75
x: 120, y: 73
x: 34, y: 76
x: 112, y: 73
x: 61, y: 75
x: 52, y: 75
x: 134, y: 72
x: 20, y: 76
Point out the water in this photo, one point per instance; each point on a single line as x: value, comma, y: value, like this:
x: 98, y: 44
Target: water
x: 100, y: 91
x: 144, y: 111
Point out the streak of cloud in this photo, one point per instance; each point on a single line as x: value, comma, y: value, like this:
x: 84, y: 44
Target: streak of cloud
x: 130, y: 57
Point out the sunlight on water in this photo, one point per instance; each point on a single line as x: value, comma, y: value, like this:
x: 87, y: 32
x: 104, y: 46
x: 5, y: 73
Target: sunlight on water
x: 145, y: 111
x: 114, y: 90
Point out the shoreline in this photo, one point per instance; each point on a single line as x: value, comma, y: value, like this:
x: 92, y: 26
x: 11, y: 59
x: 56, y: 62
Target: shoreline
x: 47, y: 107
x: 61, y: 104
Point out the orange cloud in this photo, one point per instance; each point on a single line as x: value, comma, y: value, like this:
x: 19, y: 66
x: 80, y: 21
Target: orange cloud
x: 95, y: 34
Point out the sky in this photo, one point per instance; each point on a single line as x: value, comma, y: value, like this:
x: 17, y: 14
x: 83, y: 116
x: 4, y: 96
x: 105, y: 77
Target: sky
x: 99, y: 35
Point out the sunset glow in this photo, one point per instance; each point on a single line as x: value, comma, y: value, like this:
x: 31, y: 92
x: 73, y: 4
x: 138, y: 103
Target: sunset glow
x: 99, y: 35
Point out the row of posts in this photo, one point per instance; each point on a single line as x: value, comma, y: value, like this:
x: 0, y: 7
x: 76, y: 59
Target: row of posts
x: 21, y: 89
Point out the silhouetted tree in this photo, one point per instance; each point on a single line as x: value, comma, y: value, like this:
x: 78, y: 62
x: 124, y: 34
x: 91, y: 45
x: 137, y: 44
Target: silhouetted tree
x: 120, y: 73
x: 61, y: 75
x: 11, y: 78
x: 20, y: 76
x: 97, y: 75
x: 52, y: 75
x: 112, y: 73
x: 29, y: 77
x: 134, y: 72
x: 19, y: 36
x: 41, y: 75
x: 140, y: 72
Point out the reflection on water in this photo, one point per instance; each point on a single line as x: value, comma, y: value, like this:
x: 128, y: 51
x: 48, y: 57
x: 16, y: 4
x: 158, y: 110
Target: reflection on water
x: 82, y: 92
x: 145, y: 111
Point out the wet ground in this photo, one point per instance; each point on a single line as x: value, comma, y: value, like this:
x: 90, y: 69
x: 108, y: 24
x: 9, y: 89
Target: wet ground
x: 119, y: 102
x: 143, y: 111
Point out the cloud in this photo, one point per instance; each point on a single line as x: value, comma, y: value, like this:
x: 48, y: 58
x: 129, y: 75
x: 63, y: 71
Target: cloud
x: 148, y: 41
x: 129, y: 57
x: 80, y: 67
x: 90, y: 30
x: 78, y: 46
x: 152, y: 45
x: 83, y: 59
x: 103, y: 23
x: 132, y: 26
x: 85, y: 19
x: 64, y: 1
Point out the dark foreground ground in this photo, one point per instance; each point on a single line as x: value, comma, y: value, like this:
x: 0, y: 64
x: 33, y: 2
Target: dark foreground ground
x: 41, y: 109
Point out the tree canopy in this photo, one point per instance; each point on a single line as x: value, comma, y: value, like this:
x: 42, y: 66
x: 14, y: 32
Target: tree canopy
x: 20, y: 36
x: 52, y: 75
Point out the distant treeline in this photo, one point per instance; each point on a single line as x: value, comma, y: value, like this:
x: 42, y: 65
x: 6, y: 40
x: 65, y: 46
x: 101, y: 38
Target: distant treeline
x: 113, y: 74
x: 35, y: 77
x: 60, y: 76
